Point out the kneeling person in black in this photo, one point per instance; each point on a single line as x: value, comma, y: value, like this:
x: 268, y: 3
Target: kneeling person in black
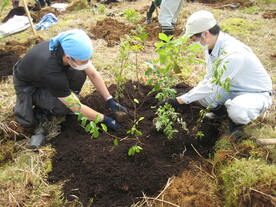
x: 50, y: 73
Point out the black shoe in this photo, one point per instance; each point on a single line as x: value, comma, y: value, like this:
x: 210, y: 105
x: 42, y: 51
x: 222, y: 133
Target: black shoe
x: 233, y: 127
x: 233, y: 133
x: 218, y: 113
x: 149, y: 16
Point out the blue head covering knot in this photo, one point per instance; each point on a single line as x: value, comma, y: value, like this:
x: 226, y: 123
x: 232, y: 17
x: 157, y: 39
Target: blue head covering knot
x: 75, y: 43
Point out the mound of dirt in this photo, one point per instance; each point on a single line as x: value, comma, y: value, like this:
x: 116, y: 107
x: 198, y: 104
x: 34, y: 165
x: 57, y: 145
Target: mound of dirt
x: 111, y: 30
x: 96, y: 169
x: 227, y: 3
x: 20, y: 48
x: 11, y: 53
x: 269, y: 14
x: 37, y: 15
x: 7, y: 60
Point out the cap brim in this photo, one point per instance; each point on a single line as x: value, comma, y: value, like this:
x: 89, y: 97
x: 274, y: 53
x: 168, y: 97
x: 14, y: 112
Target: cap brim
x: 188, y: 34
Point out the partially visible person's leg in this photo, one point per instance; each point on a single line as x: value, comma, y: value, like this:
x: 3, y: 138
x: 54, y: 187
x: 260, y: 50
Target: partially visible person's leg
x: 166, y: 15
x: 247, y: 107
x: 177, y: 11
x: 150, y: 12
x: 23, y: 109
x: 43, y: 99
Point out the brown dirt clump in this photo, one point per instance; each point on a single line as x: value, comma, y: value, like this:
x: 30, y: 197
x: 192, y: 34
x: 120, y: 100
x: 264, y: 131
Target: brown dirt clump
x: 96, y: 169
x: 77, y: 5
x: 273, y: 57
x: 190, y: 189
x: 227, y: 4
x: 37, y: 15
x: 269, y: 14
x: 153, y: 29
x: 20, y: 48
x: 7, y: 60
x: 12, y: 52
x: 111, y: 30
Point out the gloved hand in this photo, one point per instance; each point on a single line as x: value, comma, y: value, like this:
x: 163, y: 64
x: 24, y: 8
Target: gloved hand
x: 174, y: 103
x: 111, y: 124
x: 115, y: 106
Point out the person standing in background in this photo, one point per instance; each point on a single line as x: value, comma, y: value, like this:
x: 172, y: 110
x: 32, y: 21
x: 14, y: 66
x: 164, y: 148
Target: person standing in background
x: 169, y: 12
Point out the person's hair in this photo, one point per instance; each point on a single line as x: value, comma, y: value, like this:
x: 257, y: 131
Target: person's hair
x: 214, y: 31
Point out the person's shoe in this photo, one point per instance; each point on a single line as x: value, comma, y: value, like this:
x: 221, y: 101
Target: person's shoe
x: 37, y: 141
x: 218, y: 113
x: 149, y: 16
x: 168, y: 30
x: 39, y: 138
x: 234, y: 132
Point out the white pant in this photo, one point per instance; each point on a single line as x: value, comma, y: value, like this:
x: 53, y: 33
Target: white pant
x: 169, y: 11
x: 241, y: 107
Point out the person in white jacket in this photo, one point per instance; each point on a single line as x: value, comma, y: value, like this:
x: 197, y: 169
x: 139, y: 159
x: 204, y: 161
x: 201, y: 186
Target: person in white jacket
x: 250, y: 92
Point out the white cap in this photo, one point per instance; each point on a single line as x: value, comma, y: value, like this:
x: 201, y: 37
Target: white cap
x: 199, y: 21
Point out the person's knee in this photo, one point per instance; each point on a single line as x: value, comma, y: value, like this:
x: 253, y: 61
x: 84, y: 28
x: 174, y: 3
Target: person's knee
x: 237, y: 113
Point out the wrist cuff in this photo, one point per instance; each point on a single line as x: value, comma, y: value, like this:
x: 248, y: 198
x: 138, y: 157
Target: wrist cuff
x: 109, y: 97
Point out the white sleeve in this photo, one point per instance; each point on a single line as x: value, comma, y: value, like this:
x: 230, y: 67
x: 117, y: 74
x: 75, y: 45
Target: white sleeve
x: 204, y: 88
x: 233, y: 63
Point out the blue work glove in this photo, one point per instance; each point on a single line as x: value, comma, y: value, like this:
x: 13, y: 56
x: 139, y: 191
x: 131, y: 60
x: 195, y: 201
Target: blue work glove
x: 111, y: 124
x: 115, y: 106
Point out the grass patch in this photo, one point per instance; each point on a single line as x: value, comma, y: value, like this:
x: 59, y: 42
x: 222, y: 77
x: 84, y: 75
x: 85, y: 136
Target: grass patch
x: 22, y: 183
x: 242, y: 176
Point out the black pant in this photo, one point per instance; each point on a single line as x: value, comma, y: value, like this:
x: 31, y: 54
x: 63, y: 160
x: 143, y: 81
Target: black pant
x: 27, y: 96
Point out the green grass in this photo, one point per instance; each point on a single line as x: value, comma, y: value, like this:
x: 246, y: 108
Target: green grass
x: 241, y: 176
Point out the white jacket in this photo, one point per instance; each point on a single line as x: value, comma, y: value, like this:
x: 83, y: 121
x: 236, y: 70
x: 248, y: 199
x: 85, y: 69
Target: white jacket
x: 243, y: 67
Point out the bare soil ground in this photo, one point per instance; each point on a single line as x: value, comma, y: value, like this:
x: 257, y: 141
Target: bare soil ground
x: 96, y: 169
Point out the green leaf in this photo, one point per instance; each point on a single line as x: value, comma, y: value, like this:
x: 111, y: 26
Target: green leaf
x: 104, y: 127
x: 140, y: 119
x: 176, y: 68
x: 136, y: 100
x: 97, y: 119
x: 96, y: 133
x: 139, y: 133
x: 163, y: 37
x: 163, y: 59
x: 69, y: 99
x: 83, y: 121
x: 148, y: 72
x: 130, y: 152
x: 87, y: 128
x: 115, y: 142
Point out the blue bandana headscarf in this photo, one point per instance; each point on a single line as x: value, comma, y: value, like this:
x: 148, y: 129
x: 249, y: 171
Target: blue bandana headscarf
x: 75, y: 43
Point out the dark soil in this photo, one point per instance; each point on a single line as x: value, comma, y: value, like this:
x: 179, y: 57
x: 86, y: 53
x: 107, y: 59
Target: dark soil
x: 95, y: 168
x: 7, y: 60
x: 11, y: 53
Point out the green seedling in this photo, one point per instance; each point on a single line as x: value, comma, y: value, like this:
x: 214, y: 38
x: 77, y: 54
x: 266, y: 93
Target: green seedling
x: 166, y: 117
x: 89, y: 126
x: 134, y: 149
x: 131, y: 15
x: 134, y: 130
